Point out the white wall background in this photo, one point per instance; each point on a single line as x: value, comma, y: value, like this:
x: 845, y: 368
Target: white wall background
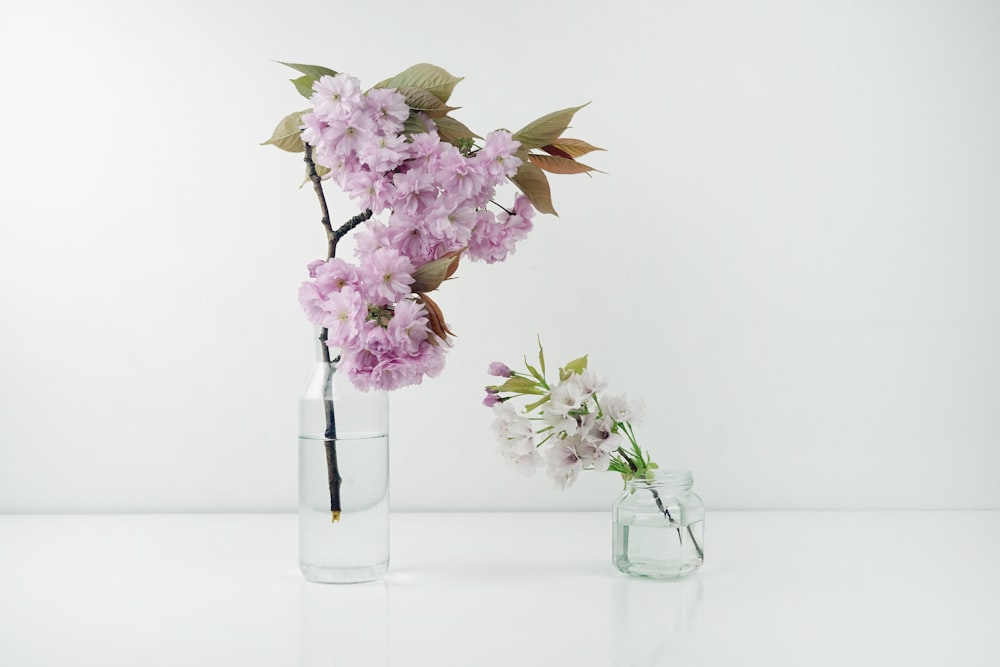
x: 793, y: 256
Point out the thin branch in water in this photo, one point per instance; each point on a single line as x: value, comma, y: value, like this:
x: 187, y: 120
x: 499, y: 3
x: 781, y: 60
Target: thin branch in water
x: 694, y: 541
x: 666, y: 513
x: 333, y: 477
x: 659, y: 504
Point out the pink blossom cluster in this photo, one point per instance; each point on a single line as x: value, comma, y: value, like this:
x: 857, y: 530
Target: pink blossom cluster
x: 579, y: 431
x: 435, y: 195
x: 369, y: 313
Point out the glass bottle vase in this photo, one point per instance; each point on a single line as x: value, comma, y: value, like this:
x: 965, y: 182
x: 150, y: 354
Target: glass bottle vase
x: 343, y: 478
x: 659, y: 526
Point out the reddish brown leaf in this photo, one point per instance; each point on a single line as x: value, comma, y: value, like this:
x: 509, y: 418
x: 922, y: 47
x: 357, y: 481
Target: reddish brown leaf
x: 453, y: 267
x: 559, y: 165
x: 555, y: 150
x: 572, y: 148
x: 435, y: 318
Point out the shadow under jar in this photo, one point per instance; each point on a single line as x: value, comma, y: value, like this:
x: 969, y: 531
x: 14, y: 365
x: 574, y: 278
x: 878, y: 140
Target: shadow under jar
x: 659, y: 526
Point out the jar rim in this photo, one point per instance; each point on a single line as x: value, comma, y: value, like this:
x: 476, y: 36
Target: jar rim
x: 664, y: 477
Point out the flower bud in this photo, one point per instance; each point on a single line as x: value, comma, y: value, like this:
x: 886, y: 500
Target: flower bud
x: 499, y: 370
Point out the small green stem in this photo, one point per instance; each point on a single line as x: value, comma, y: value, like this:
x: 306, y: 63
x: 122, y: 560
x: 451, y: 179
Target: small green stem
x: 628, y: 460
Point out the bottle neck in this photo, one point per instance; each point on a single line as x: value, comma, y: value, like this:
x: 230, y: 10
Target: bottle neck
x: 676, y: 479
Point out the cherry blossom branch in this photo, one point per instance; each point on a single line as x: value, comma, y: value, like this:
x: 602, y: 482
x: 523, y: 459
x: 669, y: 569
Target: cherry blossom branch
x: 317, y: 183
x: 348, y: 226
x: 330, y: 434
x: 334, y: 478
x: 631, y: 463
x: 332, y: 236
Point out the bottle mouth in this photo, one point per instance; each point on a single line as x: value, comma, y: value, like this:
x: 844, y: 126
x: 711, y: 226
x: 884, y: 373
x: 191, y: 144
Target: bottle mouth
x: 664, y: 477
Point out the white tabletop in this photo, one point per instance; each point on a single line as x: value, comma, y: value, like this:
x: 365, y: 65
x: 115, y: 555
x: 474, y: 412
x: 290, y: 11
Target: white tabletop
x: 795, y: 588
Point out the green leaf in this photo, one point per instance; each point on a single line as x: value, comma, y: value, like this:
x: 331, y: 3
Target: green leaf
x: 545, y: 130
x: 531, y: 406
x: 521, y: 385
x: 288, y: 134
x: 419, y: 99
x: 559, y: 165
x: 533, y: 371
x: 315, y: 71
x: 413, y: 125
x: 621, y: 467
x: 571, y: 148
x: 453, y: 131
x: 304, y: 84
x: 577, y: 366
x: 617, y: 466
x: 541, y: 354
x: 431, y: 78
x: 532, y: 181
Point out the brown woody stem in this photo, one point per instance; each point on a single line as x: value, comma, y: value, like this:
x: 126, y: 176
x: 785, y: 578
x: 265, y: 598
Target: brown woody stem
x: 330, y: 434
x: 332, y: 237
x: 348, y: 226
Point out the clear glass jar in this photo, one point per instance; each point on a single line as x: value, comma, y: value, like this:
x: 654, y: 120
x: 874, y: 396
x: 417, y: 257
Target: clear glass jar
x: 658, y: 525
x: 343, y: 478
